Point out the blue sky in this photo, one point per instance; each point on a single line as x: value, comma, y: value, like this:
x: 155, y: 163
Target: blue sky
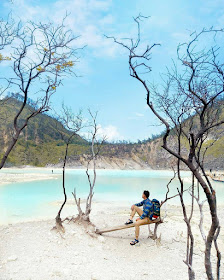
x: 105, y: 84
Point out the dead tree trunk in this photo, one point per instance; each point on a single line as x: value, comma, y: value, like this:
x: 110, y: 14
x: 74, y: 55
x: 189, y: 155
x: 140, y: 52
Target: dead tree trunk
x: 95, y: 150
x: 91, y: 182
x: 73, y: 124
x: 58, y: 217
x: 190, y: 103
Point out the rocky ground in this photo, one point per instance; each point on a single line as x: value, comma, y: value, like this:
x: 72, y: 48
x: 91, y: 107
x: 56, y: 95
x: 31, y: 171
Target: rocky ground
x: 32, y: 251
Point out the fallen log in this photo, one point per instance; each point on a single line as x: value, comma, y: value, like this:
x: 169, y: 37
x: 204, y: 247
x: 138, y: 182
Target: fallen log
x: 100, y: 231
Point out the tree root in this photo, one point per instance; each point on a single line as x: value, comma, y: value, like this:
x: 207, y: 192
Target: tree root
x: 80, y: 220
x: 58, y: 226
x: 84, y: 221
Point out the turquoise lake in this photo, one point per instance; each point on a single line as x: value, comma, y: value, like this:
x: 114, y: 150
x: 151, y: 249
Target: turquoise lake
x: 31, y: 200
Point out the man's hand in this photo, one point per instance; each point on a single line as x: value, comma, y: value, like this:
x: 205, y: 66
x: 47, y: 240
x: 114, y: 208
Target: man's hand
x: 132, y: 207
x: 138, y: 219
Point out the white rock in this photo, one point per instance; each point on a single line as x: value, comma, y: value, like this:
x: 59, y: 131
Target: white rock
x: 101, y: 239
x: 12, y: 258
x: 94, y: 277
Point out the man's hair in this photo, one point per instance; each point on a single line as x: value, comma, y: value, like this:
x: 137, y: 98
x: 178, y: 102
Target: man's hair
x: 146, y: 193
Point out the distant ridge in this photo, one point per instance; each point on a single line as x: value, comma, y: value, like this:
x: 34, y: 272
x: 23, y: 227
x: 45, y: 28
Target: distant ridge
x: 40, y: 144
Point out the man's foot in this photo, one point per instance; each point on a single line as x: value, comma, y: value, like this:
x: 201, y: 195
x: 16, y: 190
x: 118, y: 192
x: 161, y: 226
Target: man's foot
x: 134, y: 242
x: 129, y: 221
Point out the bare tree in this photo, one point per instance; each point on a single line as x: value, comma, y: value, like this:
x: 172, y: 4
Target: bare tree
x: 73, y: 123
x: 162, y: 203
x: 41, y: 56
x: 8, y: 31
x: 200, y: 206
x: 189, y: 104
x: 95, y: 150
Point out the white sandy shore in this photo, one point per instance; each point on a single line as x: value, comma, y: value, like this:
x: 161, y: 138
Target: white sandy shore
x: 31, y: 251
x: 8, y: 178
x: 9, y: 175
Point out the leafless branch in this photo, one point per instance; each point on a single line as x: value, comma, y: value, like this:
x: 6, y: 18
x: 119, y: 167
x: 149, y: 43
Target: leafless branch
x: 73, y: 124
x: 188, y: 104
x: 41, y: 56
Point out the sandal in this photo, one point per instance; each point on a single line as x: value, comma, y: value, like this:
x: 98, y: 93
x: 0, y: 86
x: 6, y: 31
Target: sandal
x: 129, y: 222
x: 134, y: 242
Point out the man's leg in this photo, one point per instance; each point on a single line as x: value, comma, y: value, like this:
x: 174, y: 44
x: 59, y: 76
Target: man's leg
x: 140, y: 222
x: 133, y: 212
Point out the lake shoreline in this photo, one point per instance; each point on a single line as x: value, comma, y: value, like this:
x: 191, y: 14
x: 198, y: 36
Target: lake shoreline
x: 82, y: 168
x: 37, y: 201
x: 10, y: 176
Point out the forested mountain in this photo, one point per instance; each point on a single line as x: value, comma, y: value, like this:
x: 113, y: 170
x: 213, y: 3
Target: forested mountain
x: 40, y: 144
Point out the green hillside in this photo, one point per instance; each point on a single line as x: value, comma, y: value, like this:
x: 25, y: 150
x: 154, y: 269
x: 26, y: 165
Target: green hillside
x: 40, y: 142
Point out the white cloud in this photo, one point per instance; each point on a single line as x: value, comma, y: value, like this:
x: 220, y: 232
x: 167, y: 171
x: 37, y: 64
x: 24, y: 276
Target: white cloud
x: 90, y: 19
x: 181, y: 37
x: 210, y: 5
x: 25, y: 11
x: 110, y: 132
x: 139, y: 115
x: 108, y: 19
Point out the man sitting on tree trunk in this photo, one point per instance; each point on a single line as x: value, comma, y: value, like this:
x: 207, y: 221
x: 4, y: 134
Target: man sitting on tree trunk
x: 145, y: 215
